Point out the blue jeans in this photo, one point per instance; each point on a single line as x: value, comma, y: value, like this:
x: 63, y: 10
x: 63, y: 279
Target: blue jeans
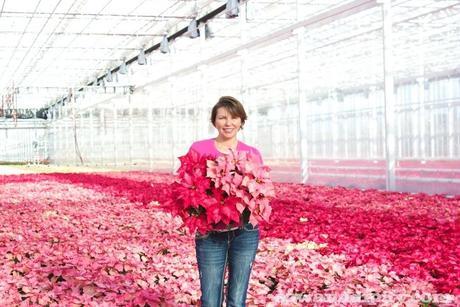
x: 214, y: 251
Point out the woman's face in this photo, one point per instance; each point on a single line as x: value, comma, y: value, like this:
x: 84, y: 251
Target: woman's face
x: 227, y: 125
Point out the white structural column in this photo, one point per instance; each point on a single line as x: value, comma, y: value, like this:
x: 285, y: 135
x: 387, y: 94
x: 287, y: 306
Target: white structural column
x: 115, y: 133
x: 335, y: 131
x: 202, y: 115
x: 419, y: 149
x: 73, y: 127
x: 82, y: 140
x: 302, y: 102
x: 46, y: 152
x: 250, y: 105
x: 359, y: 138
x: 57, y: 141
x: 150, y: 142
x: 62, y: 134
x: 243, y: 22
x: 415, y: 118
x: 243, y: 55
x: 3, y: 143
x: 253, y: 96
x: 421, y: 118
x: 285, y: 127
x: 131, y: 131
x: 174, y: 123
x: 53, y: 138
x: 374, y: 124
x: 91, y: 150
x: 66, y: 127
x: 451, y: 121
x: 57, y: 138
x: 399, y: 138
x: 390, y: 141
x: 432, y: 132
x: 345, y: 132
x: 102, y: 135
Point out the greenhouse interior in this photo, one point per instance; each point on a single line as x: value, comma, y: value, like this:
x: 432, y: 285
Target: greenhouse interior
x: 353, y: 108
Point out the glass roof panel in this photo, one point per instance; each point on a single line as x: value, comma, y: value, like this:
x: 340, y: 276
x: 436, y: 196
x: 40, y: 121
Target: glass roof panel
x: 53, y: 45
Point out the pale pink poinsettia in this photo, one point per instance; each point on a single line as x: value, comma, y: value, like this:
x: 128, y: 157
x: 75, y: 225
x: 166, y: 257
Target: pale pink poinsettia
x: 93, y: 250
x: 261, y: 184
x: 82, y: 226
x: 212, y: 169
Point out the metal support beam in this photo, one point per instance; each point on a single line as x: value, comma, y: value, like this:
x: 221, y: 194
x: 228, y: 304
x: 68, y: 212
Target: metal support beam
x: 339, y: 12
x: 451, y: 153
x: 302, y: 103
x: 390, y: 139
x: 92, y: 132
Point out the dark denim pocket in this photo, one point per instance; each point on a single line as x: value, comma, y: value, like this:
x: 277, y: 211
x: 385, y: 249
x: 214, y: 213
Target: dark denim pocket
x: 250, y: 227
x: 199, y: 236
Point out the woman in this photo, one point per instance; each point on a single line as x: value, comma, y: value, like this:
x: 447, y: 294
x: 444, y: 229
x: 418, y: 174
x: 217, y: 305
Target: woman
x: 235, y: 246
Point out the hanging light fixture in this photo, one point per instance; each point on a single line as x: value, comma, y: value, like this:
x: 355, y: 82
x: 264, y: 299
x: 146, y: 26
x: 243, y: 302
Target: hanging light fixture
x: 123, y: 69
x: 208, y: 34
x: 164, y: 46
x: 193, y: 31
x: 232, y: 9
x: 108, y: 76
x: 141, y: 60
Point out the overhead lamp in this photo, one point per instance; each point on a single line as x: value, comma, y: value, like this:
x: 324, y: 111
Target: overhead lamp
x: 339, y: 95
x: 164, y: 46
x: 208, y: 32
x: 366, y: 93
x: 232, y: 9
x: 193, y: 31
x: 123, y: 69
x: 108, y: 76
x: 141, y: 60
x: 426, y: 84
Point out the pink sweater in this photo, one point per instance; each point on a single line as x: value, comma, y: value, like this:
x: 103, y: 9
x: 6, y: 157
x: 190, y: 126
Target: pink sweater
x: 207, y: 147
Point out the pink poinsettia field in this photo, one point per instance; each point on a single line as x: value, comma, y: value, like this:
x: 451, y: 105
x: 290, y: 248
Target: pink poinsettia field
x: 109, y: 239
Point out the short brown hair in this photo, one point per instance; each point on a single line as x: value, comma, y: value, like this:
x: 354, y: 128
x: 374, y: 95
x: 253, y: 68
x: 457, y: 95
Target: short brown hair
x: 232, y: 105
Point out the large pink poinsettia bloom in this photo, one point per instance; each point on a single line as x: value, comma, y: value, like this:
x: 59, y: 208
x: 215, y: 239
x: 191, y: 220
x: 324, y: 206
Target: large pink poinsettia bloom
x: 213, y: 193
x: 260, y: 210
x: 241, y: 175
x: 212, y: 169
x: 221, y: 171
x: 247, y: 163
x: 260, y: 185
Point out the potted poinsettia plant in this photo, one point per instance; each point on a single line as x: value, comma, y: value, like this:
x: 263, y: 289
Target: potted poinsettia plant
x: 219, y: 193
